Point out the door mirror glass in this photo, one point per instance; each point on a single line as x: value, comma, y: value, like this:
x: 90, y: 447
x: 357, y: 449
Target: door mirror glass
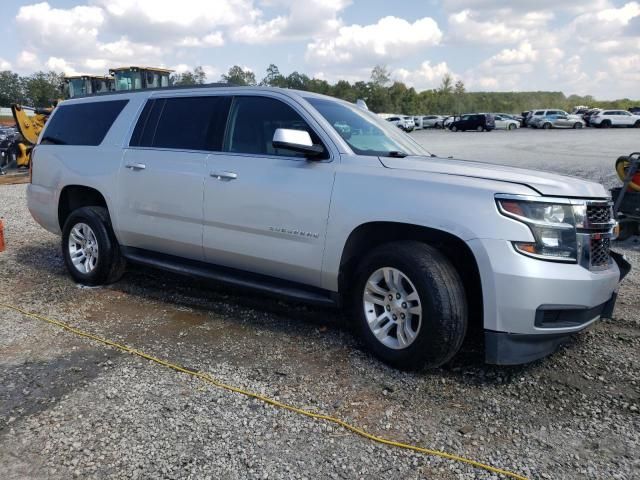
x: 296, y: 140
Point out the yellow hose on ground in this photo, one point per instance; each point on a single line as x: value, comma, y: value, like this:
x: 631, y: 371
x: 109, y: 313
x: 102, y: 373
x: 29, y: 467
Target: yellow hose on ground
x: 318, y: 416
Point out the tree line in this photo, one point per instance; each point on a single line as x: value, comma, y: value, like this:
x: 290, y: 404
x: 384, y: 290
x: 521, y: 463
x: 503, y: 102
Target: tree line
x: 380, y: 92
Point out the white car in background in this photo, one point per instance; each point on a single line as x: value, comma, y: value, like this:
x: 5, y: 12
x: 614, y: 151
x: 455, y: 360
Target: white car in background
x: 432, y: 121
x: 405, y: 123
x: 504, y: 122
x: 614, y: 118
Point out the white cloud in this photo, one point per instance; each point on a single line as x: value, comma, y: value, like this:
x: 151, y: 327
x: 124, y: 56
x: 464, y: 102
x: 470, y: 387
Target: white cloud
x: 57, y: 64
x: 464, y: 27
x: 604, y: 30
x: 303, y: 20
x: 390, y: 38
x: 524, y: 53
x: 4, y: 64
x: 59, y: 30
x: 28, y: 60
x: 425, y: 76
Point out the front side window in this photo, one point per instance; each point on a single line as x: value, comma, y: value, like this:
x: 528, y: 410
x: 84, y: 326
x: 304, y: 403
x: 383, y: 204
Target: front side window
x: 367, y: 134
x: 82, y: 123
x: 254, y: 120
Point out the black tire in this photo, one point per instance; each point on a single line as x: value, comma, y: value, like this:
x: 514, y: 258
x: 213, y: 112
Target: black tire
x: 442, y: 297
x: 546, y: 126
x: 577, y: 125
x: 606, y: 124
x: 637, y: 124
x: 511, y: 126
x: 110, y: 264
x: 454, y: 128
x: 479, y: 129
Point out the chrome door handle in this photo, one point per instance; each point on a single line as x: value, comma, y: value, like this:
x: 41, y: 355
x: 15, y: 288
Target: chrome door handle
x: 136, y: 166
x: 224, y: 175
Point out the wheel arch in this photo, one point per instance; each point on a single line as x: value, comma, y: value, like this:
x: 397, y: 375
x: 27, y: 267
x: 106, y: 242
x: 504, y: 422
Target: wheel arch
x: 369, y: 235
x: 73, y: 197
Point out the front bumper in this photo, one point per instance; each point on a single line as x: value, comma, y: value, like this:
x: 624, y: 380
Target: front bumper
x: 503, y: 348
x: 531, y: 306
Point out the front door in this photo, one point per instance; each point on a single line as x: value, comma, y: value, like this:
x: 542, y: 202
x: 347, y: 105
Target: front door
x: 266, y: 209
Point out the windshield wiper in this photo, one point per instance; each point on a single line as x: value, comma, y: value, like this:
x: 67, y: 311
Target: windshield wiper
x: 397, y: 154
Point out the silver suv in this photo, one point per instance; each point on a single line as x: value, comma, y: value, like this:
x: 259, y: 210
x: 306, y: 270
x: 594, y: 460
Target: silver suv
x: 317, y: 200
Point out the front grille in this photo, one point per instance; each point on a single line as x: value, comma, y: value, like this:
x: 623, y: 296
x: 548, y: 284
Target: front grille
x: 600, y: 246
x: 598, y: 214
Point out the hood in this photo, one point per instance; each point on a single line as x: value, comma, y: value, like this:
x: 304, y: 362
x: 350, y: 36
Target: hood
x: 549, y: 184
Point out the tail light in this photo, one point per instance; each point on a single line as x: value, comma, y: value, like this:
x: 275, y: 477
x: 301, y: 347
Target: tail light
x: 31, y: 157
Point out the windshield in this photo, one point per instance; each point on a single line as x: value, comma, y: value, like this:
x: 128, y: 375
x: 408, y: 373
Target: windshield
x: 365, y: 132
x: 77, y: 86
x: 128, y: 81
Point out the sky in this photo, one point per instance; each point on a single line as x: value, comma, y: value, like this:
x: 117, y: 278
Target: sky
x: 575, y: 46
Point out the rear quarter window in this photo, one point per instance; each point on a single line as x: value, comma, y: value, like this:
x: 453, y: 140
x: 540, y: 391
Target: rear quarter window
x: 82, y: 123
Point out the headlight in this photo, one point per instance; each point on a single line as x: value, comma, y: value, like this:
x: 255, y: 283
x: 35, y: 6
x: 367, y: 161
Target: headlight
x: 553, y: 226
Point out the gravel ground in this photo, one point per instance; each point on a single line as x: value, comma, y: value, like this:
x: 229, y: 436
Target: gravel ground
x: 71, y: 408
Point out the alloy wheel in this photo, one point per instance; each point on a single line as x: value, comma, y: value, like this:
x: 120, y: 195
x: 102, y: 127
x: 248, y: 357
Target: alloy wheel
x: 83, y: 248
x: 392, y: 308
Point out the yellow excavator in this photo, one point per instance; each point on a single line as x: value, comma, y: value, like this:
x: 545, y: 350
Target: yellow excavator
x: 29, y: 127
x: 120, y: 79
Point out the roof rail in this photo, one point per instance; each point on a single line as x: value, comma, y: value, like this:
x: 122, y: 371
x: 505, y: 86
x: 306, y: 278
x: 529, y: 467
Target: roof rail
x: 156, y: 89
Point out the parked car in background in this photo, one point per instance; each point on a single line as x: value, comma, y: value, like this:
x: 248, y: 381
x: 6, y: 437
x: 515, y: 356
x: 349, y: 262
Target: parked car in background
x: 635, y: 110
x: 505, y: 122
x: 447, y: 121
x: 555, y: 119
x: 405, y: 123
x: 481, y: 122
x: 409, y: 124
x: 586, y: 116
x: 525, y: 118
x: 558, y: 119
x: 432, y: 121
x: 417, y: 122
x: 614, y: 118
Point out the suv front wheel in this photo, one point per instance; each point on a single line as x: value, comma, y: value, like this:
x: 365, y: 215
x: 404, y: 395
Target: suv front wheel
x: 410, y: 305
x: 90, y: 249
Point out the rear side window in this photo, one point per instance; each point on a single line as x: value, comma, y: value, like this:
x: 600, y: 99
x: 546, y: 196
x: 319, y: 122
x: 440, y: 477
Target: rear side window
x: 82, y: 123
x: 185, y: 123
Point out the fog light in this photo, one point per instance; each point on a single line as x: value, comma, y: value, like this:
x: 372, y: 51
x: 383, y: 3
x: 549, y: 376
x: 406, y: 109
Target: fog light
x: 550, y: 238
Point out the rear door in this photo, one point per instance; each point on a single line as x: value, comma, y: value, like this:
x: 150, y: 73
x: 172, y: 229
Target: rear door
x: 266, y: 209
x: 162, y: 176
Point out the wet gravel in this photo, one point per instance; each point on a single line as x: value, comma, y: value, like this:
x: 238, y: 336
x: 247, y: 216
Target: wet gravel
x: 71, y: 408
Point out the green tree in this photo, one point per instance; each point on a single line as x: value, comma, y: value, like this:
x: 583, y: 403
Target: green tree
x: 380, y: 76
x: 43, y: 88
x: 273, y: 78
x: 238, y: 76
x: 197, y: 77
x: 11, y: 88
x: 298, y: 81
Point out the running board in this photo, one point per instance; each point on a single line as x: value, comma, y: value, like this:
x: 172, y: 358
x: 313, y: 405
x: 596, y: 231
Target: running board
x: 233, y: 277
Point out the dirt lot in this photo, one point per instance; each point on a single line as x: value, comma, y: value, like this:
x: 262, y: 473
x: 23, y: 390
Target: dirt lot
x: 72, y: 408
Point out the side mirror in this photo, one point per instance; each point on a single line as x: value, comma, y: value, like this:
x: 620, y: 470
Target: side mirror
x: 297, y: 141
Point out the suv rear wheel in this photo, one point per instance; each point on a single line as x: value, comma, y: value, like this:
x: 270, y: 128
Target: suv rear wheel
x: 546, y: 126
x: 410, y: 305
x: 90, y: 249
